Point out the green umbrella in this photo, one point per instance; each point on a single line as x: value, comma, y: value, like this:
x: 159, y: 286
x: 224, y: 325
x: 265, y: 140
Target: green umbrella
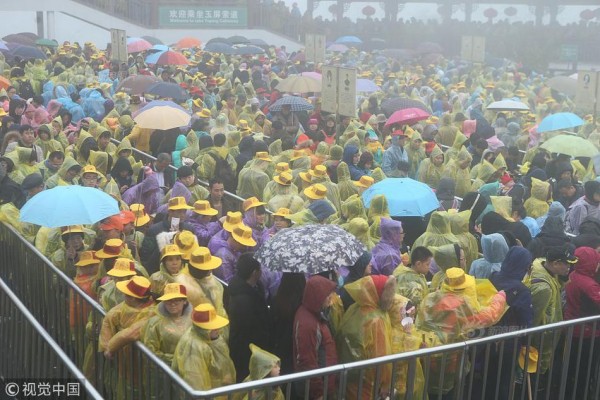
x: 46, y: 42
x: 570, y: 145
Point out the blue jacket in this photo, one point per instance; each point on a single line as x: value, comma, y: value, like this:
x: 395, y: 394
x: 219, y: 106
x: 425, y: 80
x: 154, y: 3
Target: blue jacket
x: 355, y: 172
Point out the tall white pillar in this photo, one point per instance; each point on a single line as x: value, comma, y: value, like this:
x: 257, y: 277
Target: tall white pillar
x: 50, y: 25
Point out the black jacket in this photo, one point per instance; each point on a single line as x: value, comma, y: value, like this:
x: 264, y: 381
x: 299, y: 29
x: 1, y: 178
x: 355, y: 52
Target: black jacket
x: 249, y: 322
x: 149, y: 252
x: 10, y: 192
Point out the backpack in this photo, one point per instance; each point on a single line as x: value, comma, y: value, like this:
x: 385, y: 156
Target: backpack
x: 224, y: 173
x: 26, y: 90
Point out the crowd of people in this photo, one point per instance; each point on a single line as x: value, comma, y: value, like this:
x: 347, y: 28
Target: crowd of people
x: 513, y: 236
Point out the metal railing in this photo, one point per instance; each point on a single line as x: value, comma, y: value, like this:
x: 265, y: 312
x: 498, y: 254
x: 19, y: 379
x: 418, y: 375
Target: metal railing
x: 28, y: 351
x: 471, y: 368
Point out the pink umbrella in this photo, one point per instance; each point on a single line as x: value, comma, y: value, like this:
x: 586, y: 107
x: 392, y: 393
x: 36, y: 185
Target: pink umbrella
x: 312, y: 74
x: 408, y: 116
x: 135, y: 45
x: 172, y: 58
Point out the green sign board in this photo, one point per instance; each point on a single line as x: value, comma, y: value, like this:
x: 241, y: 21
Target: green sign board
x: 202, y: 17
x: 569, y: 52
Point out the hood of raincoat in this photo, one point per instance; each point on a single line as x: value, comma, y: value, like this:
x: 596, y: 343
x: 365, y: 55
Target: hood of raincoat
x: 352, y: 208
x: 336, y: 152
x: 83, y: 135
x: 513, y: 128
x: 388, y: 228
x: 67, y: 164
x: 276, y: 148
x: 587, y: 261
x: 126, y: 121
x: 99, y: 159
x: 435, y: 152
x: 180, y: 143
x: 24, y: 154
x: 439, y: 223
x: 378, y: 208
x: 445, y: 189
x: 124, y: 145
x: 447, y: 256
x: 261, y: 363
x: 459, y: 140
x: 357, y: 271
x: 485, y: 171
x: 150, y: 184
x: 322, y: 149
x: 553, y: 226
x: 349, y: 152
x: 378, y: 175
x: 540, y: 189
x: 459, y: 222
x: 316, y: 291
x: 365, y: 292
x: 557, y: 210
x: 464, y: 155
x: 516, y: 264
x: 343, y: 172
x: 360, y: 229
x: 494, y: 247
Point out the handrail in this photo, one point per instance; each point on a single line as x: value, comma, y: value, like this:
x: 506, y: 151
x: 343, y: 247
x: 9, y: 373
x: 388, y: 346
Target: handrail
x: 43, y: 334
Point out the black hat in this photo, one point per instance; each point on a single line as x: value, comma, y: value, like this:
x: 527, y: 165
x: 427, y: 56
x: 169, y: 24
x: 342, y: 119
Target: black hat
x: 561, y: 253
x: 32, y: 181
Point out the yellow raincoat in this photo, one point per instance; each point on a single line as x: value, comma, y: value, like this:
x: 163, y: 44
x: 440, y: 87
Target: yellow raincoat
x: 23, y: 165
x: 459, y: 225
x: 192, y: 149
x: 428, y: 173
x: 377, y: 175
x: 538, y: 203
x: 159, y: 279
x: 485, y: 172
x: 252, y: 181
x: 377, y: 209
x: 351, y: 208
x: 12, y: 216
x: 205, y: 290
x: 60, y: 178
x: 365, y: 333
x: 261, y: 364
x: 345, y: 186
x: 273, y: 189
x: 202, y: 362
x: 445, y: 257
x: 438, y: 232
x: 415, y: 156
x: 333, y: 192
x: 48, y: 146
x: 360, y: 229
x: 457, y: 146
x: 461, y: 176
x: 410, y: 284
x: 163, y: 331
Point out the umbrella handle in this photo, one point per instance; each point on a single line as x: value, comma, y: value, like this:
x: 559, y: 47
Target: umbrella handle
x: 529, y: 386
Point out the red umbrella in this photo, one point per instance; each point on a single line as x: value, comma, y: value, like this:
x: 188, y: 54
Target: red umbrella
x: 135, y: 45
x: 408, y: 116
x: 188, y: 43
x: 172, y: 58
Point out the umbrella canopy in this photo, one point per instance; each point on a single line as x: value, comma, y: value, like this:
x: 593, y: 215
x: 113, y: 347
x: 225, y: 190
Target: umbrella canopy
x: 563, y: 84
x: 299, y: 57
x: 152, y: 40
x: 570, y: 145
x: 248, y: 50
x: 4, y: 82
x: 218, y: 40
x: 348, y: 40
x: 3, y: 46
x: 28, y: 52
x: 46, y: 42
x: 299, y: 84
x: 136, y: 44
x: 188, y: 43
x: 69, y: 205
x: 259, y: 43
x: 338, y: 47
x: 168, y: 57
x: 366, y: 86
x: 310, y: 249
x: 312, y: 74
x: 160, y: 114
x: 219, y: 47
x: 508, y: 105
x: 24, y: 38
x: 158, y: 47
x: 167, y: 90
x: 406, y: 197
x: 559, y: 121
x: 429, y: 47
x: 136, y: 84
x: 297, y: 104
x: 237, y: 40
x: 400, y: 103
x: 407, y: 116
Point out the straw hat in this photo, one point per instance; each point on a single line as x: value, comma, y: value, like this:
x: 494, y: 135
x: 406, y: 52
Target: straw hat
x: 305, y: 176
x: 282, y: 212
x: 251, y: 202
x: 263, y: 155
x: 232, y: 219
x: 90, y: 169
x: 202, y: 259
x: 284, y: 178
x: 138, y: 287
x: 65, y: 230
x: 123, y: 267
x: 320, y: 171
x: 243, y: 235
x: 282, y: 167
x: 364, y: 182
x: 187, y: 242
x: 111, y: 249
x: 173, y: 291
x: 316, y: 192
x: 457, y: 279
x: 170, y: 250
x: 199, y: 103
x: 205, y: 316
x: 532, y: 359
x: 87, y: 258
x: 297, y: 154
x: 141, y: 218
x: 178, y: 203
x: 205, y: 113
x: 203, y: 207
x: 243, y: 127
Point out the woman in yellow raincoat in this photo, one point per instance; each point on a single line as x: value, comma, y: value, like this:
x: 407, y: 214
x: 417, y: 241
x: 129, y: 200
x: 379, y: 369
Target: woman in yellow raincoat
x: 486, y: 173
x: 458, y: 170
x: 459, y: 225
x: 366, y: 332
x: 66, y: 174
x: 538, y: 203
x: 171, y: 265
x: 57, y: 132
x: 360, y: 229
x: 262, y: 365
x: 438, y: 231
x: 282, y: 193
x: 121, y: 326
x: 201, y: 357
x: 377, y: 209
x: 430, y: 169
x: 345, y: 186
x: 192, y: 148
x: 450, y: 313
x: 253, y: 180
x: 416, y: 152
x: 457, y: 146
x: 25, y: 163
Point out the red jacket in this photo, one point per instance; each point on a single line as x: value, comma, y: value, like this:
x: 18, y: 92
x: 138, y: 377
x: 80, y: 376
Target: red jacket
x: 582, y: 290
x: 314, y: 346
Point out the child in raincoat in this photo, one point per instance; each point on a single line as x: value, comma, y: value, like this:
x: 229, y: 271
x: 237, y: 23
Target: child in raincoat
x: 262, y: 365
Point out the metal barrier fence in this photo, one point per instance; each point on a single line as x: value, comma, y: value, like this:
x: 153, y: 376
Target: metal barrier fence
x: 473, y: 369
x: 28, y: 352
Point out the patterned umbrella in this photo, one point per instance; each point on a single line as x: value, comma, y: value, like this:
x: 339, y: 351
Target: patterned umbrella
x: 310, y: 249
x: 297, y: 103
x: 400, y: 103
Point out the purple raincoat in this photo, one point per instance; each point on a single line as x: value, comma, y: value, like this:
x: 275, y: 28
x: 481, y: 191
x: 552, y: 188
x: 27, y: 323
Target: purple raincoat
x: 147, y: 193
x: 179, y: 190
x: 227, y: 269
x: 203, y: 231
x: 386, y: 254
x: 217, y: 241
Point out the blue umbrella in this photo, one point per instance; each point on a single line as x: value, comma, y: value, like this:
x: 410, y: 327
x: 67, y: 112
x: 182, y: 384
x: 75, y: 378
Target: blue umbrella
x: 3, y: 45
x: 559, y: 121
x: 348, y: 39
x: 406, y: 197
x: 167, y: 89
x: 219, y: 47
x: 28, y: 52
x: 159, y: 47
x: 297, y: 104
x: 366, y: 86
x: 68, y: 205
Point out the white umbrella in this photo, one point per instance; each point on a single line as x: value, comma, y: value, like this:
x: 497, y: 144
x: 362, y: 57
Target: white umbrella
x: 508, y: 105
x: 299, y: 84
x: 160, y: 114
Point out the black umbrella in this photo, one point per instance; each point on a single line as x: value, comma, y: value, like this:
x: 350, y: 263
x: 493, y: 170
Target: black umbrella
x: 219, y: 47
x: 25, y: 38
x: 167, y: 90
x: 248, y: 50
x: 259, y: 43
x: 152, y: 40
x: 28, y: 52
x: 238, y: 40
x: 400, y: 103
x: 218, y: 40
